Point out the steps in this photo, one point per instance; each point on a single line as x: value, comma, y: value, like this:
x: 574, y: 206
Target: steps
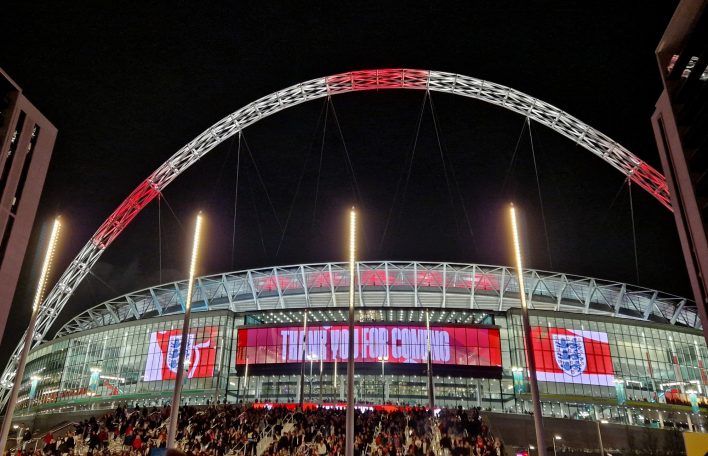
x: 266, y: 440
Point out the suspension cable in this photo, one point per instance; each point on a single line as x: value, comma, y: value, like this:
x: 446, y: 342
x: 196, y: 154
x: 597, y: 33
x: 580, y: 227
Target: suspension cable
x: 255, y: 210
x: 612, y: 204
x: 357, y: 192
x: 634, y: 230
x: 407, y: 174
x: 454, y: 176
x: 113, y: 290
x: 262, y: 182
x: 513, y: 160
x: 169, y: 206
x: 540, y: 197
x: 319, y: 167
x: 299, y: 181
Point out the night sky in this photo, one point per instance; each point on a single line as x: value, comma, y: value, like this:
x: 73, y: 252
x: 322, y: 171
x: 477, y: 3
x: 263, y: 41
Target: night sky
x: 128, y: 85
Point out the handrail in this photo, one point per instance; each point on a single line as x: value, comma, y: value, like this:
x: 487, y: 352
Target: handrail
x: 40, y: 437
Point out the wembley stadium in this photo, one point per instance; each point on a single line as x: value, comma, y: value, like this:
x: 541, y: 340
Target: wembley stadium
x: 604, y: 350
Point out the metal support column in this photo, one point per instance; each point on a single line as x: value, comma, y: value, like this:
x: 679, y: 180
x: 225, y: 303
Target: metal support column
x: 530, y: 361
x: 29, y: 335
x: 302, y: 362
x: 179, y: 378
x: 349, y: 445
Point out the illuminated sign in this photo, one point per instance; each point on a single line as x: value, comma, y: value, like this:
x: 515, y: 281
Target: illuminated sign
x: 163, y: 354
x: 455, y: 345
x: 572, y: 356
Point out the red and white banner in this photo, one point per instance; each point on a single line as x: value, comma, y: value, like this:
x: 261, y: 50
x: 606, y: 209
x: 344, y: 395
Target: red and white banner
x: 572, y: 356
x: 456, y: 345
x: 163, y: 354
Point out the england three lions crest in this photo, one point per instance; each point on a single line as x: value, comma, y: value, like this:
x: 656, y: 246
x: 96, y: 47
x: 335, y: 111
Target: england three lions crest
x: 569, y: 352
x: 173, y: 351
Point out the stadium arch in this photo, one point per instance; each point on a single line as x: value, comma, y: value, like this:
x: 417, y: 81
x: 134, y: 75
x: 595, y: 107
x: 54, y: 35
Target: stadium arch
x: 544, y: 113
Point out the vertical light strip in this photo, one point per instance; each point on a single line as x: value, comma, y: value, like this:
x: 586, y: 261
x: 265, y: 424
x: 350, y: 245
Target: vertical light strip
x: 193, y: 263
x: 47, y: 265
x: 352, y: 255
x: 517, y: 256
x: 349, y: 437
x: 29, y: 337
x: 528, y: 342
x: 179, y: 377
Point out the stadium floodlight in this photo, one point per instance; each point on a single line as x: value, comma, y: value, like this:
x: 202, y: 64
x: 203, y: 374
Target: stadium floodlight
x: 179, y: 377
x: 349, y: 443
x: 29, y: 334
x: 526, y: 326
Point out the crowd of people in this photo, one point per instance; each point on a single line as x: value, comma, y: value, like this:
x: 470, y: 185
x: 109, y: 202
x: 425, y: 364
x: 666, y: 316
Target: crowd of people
x: 464, y: 434
x: 237, y: 430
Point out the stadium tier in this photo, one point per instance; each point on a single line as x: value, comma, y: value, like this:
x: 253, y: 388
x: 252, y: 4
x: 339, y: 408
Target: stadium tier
x: 604, y: 350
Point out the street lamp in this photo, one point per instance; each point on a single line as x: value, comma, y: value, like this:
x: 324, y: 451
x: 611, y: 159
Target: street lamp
x: 179, y: 377
x: 526, y: 329
x: 349, y: 436
x: 383, y: 360
x: 555, y: 437
x: 29, y: 333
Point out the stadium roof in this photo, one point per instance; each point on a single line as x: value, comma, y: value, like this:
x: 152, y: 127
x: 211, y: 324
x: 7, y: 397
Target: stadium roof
x: 412, y: 285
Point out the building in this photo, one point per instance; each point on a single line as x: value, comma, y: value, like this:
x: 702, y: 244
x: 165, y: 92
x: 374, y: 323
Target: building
x: 604, y: 350
x: 26, y: 143
x: 680, y: 124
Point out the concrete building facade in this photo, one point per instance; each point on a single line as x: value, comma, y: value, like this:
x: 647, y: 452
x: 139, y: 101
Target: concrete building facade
x: 26, y: 143
x: 680, y: 123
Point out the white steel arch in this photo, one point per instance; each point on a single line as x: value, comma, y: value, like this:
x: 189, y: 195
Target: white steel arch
x: 544, y: 113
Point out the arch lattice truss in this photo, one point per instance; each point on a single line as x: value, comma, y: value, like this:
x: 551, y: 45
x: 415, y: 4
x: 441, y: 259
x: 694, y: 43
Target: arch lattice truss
x: 386, y: 285
x: 554, y: 118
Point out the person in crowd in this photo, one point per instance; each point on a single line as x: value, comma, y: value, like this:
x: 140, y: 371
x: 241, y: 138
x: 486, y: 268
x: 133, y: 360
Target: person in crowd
x: 222, y: 429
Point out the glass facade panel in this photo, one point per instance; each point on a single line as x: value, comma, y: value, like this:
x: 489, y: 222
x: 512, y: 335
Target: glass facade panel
x: 589, y: 367
x: 126, y: 362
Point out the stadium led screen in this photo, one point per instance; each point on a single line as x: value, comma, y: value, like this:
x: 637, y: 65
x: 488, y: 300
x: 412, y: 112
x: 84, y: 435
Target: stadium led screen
x: 572, y: 356
x: 452, y: 345
x: 163, y: 354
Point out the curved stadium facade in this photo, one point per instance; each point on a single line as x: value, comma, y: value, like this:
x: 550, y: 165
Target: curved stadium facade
x: 603, y: 350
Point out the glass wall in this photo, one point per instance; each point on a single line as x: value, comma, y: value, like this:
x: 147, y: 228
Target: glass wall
x: 134, y: 362
x: 589, y: 367
x: 597, y: 357
x: 397, y: 389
